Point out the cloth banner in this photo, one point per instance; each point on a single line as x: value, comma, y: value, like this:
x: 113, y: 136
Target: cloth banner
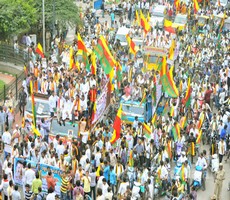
x: 56, y: 172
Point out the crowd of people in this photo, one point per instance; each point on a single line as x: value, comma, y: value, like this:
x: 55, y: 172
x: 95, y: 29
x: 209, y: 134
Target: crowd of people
x: 92, y: 167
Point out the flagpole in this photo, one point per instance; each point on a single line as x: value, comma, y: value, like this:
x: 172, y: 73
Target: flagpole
x: 43, y: 25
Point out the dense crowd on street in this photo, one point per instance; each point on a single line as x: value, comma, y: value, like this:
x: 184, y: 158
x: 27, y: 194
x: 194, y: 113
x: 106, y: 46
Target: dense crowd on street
x: 135, y: 166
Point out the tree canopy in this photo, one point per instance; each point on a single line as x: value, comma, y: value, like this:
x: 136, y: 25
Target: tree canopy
x: 20, y: 16
x: 16, y: 16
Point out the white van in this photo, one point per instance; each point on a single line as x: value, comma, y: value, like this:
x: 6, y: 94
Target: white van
x: 121, y: 35
x: 158, y: 15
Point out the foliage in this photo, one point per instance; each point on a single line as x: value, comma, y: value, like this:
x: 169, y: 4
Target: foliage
x: 64, y: 12
x: 16, y: 16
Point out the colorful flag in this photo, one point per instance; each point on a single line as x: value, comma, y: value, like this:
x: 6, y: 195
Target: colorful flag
x: 39, y: 50
x: 201, y: 120
x: 162, y: 67
x: 183, y: 122
x: 147, y: 131
x: 177, y: 4
x: 199, y: 137
x: 168, y: 26
x: 148, y: 17
x: 117, y: 126
x: 118, y: 74
x: 35, y: 130
x: 165, y: 108
x: 176, y: 131
x: 182, y: 175
x: 154, y: 119
x: 71, y: 58
x: 187, y: 98
x: 93, y: 64
x: 196, y: 6
x: 85, y: 60
x: 144, y: 23
x: 33, y: 103
x: 131, y: 45
x: 137, y: 18
x: 169, y: 84
x: 94, y: 112
x: 104, y: 55
x: 131, y: 161
x: 143, y: 100
x: 171, y: 50
x: 80, y: 43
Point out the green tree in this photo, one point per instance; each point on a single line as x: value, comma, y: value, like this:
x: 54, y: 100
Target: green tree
x: 65, y: 12
x: 16, y: 17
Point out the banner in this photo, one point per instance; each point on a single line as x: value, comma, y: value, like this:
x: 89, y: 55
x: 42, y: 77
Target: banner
x: 101, y: 104
x: 19, y: 180
x: 18, y: 165
x: 56, y: 173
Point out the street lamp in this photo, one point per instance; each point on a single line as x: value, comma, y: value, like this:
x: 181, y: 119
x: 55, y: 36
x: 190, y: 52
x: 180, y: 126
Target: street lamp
x: 43, y: 24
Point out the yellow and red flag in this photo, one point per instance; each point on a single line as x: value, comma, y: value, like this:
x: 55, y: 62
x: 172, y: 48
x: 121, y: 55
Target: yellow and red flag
x: 147, y: 131
x: 144, y: 23
x: 187, y: 98
x: 183, y: 122
x: 176, y: 131
x: 131, y: 45
x: 201, y: 120
x: 93, y: 64
x: 117, y: 126
x: 39, y: 50
x: 80, y: 43
x: 168, y: 26
x: 180, y: 86
x: 199, y: 137
x: 171, y: 50
x: 163, y: 67
x: 196, y: 6
x: 138, y: 18
x: 154, y: 119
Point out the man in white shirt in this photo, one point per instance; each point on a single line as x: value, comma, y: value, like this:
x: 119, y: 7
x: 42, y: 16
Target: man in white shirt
x: 60, y: 149
x: 202, y: 162
x: 29, y: 175
x: 105, y: 186
x: 221, y: 149
x: 123, y: 187
x: 163, y: 174
x: 52, y: 103
x: 6, y: 137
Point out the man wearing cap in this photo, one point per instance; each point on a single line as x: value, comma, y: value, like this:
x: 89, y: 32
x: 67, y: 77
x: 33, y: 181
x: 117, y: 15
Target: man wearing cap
x: 220, y: 176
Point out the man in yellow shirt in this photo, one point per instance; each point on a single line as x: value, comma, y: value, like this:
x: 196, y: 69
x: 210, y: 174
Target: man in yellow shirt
x: 36, y: 184
x: 86, y: 180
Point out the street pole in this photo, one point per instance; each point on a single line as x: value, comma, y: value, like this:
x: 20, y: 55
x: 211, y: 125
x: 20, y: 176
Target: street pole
x: 43, y: 24
x: 53, y: 19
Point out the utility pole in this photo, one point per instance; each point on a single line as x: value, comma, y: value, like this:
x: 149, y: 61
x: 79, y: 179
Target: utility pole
x: 53, y: 20
x: 43, y: 25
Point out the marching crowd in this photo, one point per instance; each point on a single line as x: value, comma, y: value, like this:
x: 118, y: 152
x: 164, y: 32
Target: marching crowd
x: 94, y: 168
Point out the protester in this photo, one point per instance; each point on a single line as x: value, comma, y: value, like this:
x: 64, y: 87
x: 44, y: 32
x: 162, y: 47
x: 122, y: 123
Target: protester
x: 97, y: 162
